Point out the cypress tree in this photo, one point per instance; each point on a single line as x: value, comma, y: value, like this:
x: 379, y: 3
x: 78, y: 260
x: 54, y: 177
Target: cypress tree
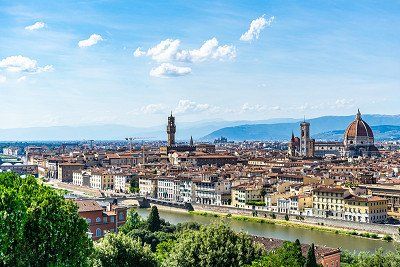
x: 311, y: 261
x: 154, y: 222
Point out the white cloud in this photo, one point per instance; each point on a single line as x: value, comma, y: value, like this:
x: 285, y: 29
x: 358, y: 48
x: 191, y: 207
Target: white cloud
x: 209, y: 50
x: 187, y: 106
x: 93, y: 39
x: 3, y: 79
x: 168, y: 50
x: 153, y: 109
x: 256, y: 26
x: 138, y: 52
x: 165, y: 51
x: 166, y: 70
x: 36, y: 26
x: 23, y: 64
x: 21, y: 79
x: 256, y: 107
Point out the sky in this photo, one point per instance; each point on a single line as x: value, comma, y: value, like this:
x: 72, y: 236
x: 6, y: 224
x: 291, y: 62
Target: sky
x: 133, y: 62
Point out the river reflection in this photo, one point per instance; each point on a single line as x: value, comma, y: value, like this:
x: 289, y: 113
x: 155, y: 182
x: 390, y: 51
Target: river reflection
x: 281, y: 232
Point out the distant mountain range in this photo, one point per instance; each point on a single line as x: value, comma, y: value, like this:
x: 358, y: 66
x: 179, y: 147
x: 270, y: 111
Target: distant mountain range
x: 119, y: 132
x: 385, y: 127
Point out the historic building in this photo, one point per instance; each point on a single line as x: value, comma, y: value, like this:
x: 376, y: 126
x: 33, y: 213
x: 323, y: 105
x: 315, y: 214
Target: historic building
x: 173, y: 147
x: 358, y: 140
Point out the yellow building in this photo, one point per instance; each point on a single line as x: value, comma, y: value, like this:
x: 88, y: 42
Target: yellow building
x: 365, y: 209
x: 245, y: 193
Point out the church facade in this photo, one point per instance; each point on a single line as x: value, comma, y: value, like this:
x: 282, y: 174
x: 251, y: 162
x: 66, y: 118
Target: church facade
x: 358, y: 140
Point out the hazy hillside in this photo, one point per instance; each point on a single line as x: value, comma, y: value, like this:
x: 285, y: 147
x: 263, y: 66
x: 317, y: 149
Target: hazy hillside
x: 119, y: 132
x: 381, y: 132
x: 282, y: 131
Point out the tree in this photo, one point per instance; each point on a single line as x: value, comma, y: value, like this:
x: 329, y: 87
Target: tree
x: 134, y: 185
x: 311, y: 261
x: 133, y: 221
x: 213, y: 245
x: 154, y: 222
x: 121, y: 250
x: 289, y: 254
x: 38, y: 226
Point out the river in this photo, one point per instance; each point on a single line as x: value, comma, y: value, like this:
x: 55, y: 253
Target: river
x: 351, y: 243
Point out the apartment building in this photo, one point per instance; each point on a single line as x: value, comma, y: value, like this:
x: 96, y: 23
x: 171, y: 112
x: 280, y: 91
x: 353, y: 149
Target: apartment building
x: 212, y: 190
x: 101, y: 219
x: 81, y: 178
x: 65, y: 171
x: 329, y: 202
x: 121, y: 182
x: 102, y: 179
x: 148, y: 186
x: 245, y: 193
x: 365, y: 209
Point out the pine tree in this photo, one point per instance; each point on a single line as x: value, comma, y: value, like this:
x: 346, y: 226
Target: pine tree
x: 154, y: 222
x: 311, y: 261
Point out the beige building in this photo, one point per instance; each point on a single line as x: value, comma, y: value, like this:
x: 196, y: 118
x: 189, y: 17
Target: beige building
x: 329, y: 202
x: 365, y: 209
x: 148, y: 186
x: 246, y: 193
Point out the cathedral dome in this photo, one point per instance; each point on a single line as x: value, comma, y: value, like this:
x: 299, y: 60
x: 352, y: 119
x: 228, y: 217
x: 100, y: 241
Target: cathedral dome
x: 358, y: 129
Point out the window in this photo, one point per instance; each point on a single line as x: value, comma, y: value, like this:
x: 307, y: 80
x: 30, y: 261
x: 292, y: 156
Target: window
x: 98, y: 232
x: 89, y: 221
x: 98, y: 220
x: 121, y: 216
x: 112, y: 219
x: 104, y: 219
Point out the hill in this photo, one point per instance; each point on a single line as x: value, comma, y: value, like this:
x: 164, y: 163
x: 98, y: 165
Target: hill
x: 327, y: 127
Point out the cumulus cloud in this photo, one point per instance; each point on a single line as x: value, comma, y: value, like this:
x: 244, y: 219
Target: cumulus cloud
x: 23, y: 64
x: 3, y: 79
x: 93, y: 39
x: 36, y: 26
x: 256, y: 26
x: 187, y: 106
x: 168, y: 50
x: 153, y: 109
x: 166, y: 70
x: 138, y: 52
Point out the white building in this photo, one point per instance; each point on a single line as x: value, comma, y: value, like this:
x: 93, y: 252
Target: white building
x: 212, y: 191
x: 121, y: 183
x: 81, y: 178
x: 148, y: 187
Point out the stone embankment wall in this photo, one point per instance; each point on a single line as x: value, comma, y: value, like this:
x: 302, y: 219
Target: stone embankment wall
x: 368, y: 227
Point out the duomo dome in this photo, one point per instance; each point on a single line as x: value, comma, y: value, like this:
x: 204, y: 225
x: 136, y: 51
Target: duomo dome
x: 358, y: 132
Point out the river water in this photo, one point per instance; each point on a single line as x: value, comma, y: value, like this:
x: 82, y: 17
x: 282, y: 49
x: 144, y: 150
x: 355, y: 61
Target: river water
x: 351, y: 243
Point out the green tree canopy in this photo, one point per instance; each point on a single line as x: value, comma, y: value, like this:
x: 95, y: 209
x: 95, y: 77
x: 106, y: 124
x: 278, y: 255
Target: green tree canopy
x: 311, y: 261
x: 121, y: 250
x: 38, y: 227
x: 153, y: 221
x: 289, y: 254
x: 212, y: 246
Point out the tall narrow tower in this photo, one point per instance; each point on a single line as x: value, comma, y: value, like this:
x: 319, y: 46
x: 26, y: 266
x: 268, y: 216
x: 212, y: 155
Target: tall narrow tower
x: 304, y: 138
x: 171, y: 129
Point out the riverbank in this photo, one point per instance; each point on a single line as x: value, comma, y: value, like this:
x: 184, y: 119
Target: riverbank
x: 276, y: 231
x: 298, y: 224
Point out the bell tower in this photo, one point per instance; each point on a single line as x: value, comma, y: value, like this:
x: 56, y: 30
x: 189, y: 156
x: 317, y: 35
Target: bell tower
x: 171, y: 129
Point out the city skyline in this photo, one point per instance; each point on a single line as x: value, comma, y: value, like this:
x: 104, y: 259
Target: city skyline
x: 102, y: 62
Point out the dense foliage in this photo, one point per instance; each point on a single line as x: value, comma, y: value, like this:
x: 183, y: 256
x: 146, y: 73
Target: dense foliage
x: 121, y: 250
x: 38, y: 227
x: 289, y: 254
x: 213, y: 245
x: 380, y: 258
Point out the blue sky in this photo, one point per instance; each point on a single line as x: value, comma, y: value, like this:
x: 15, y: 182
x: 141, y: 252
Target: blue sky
x: 311, y: 58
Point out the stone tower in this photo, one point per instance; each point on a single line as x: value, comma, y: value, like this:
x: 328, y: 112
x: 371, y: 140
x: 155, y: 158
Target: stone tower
x: 306, y: 143
x: 171, y: 130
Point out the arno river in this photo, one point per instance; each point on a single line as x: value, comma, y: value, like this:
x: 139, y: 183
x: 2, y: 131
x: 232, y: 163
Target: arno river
x: 281, y: 232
